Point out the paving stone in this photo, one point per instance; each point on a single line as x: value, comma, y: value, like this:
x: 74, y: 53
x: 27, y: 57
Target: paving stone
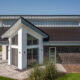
x: 12, y: 72
x: 74, y: 68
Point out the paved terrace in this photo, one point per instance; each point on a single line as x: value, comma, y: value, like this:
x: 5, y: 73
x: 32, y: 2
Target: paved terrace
x: 12, y: 71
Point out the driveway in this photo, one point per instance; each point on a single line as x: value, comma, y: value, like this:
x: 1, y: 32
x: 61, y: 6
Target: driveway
x: 12, y: 72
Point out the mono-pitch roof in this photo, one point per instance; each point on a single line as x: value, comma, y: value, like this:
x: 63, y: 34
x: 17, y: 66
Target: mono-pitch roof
x: 62, y: 33
x: 55, y: 33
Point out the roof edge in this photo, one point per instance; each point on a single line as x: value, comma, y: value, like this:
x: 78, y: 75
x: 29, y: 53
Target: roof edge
x: 24, y: 21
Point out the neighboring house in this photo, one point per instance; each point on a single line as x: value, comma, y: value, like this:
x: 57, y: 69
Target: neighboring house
x: 29, y: 39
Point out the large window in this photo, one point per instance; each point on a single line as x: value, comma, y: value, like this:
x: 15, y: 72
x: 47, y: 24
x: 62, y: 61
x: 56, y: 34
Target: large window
x: 15, y: 40
x: 52, y: 54
x: 32, y: 56
x: 8, y: 23
x: 50, y: 23
x: 31, y: 40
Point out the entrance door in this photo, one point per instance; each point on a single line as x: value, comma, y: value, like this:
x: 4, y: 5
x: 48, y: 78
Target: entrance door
x: 52, y: 54
x: 15, y: 57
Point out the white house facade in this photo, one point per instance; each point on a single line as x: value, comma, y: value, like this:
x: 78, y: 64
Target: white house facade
x: 22, y: 39
x: 33, y: 39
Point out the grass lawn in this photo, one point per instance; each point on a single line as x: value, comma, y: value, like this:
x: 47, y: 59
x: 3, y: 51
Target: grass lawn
x: 0, y: 49
x: 70, y: 76
x: 4, y: 78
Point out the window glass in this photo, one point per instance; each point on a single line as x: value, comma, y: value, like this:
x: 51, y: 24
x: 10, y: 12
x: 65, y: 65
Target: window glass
x: 32, y: 56
x: 52, y: 51
x: 8, y: 23
x: 15, y: 40
x: 54, y: 22
x: 31, y: 40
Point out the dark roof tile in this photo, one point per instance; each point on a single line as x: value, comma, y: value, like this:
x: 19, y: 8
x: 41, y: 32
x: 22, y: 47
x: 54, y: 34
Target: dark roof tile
x: 3, y: 30
x: 62, y: 33
x: 55, y: 33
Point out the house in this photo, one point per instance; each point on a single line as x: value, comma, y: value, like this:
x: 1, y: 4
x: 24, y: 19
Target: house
x: 27, y: 39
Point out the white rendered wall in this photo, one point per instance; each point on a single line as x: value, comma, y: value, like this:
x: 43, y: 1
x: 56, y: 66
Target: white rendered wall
x: 22, y: 47
x: 9, y: 53
x: 4, y: 52
x: 40, y: 50
x: 22, y: 60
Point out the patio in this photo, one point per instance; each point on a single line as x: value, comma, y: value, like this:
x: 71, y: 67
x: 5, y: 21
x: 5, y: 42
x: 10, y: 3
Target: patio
x: 12, y: 72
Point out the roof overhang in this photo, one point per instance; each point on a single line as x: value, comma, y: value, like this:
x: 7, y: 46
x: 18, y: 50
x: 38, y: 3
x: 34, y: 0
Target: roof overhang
x: 62, y: 43
x: 75, y: 17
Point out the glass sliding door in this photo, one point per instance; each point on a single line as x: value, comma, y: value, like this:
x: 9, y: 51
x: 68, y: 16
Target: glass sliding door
x: 32, y: 52
x: 15, y: 56
x: 29, y: 57
x: 32, y: 57
x: 35, y: 56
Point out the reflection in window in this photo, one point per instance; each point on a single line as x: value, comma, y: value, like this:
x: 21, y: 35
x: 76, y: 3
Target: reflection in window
x: 15, y: 40
x: 31, y: 40
x: 8, y: 23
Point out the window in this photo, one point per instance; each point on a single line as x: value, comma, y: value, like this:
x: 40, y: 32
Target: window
x: 55, y: 22
x: 8, y: 23
x: 15, y: 40
x: 32, y: 56
x: 52, y: 54
x: 31, y: 40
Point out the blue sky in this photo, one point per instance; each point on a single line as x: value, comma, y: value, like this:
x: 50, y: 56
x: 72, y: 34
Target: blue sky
x: 39, y: 7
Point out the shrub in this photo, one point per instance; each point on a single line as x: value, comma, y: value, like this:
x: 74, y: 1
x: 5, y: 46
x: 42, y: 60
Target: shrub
x: 36, y: 74
x: 47, y: 73
x: 50, y: 72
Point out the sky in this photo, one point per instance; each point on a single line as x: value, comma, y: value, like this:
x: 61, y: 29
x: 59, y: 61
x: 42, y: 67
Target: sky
x: 39, y: 7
